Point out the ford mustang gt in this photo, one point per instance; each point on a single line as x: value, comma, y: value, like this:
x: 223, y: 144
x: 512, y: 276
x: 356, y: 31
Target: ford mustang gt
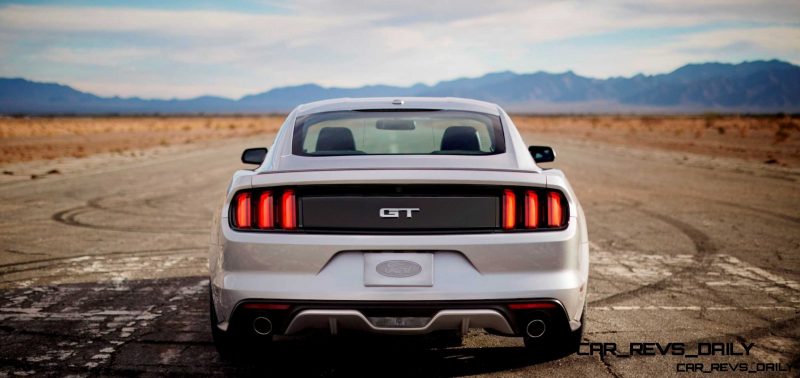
x: 399, y: 216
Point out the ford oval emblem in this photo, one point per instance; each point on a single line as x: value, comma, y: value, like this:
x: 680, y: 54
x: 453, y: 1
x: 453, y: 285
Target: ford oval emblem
x: 398, y: 268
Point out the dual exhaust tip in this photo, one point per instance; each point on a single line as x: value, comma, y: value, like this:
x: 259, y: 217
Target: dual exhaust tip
x: 535, y: 328
x: 262, y: 326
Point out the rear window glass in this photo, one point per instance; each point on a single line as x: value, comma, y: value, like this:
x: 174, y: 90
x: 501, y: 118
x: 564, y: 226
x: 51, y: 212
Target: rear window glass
x: 442, y: 132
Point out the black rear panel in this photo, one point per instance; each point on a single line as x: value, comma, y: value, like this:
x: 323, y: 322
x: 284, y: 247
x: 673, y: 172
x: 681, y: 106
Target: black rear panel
x: 400, y: 208
x: 400, y: 213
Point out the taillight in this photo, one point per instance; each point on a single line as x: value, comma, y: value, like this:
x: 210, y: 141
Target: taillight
x: 531, y: 209
x: 288, y: 210
x: 509, y: 209
x: 266, y: 219
x: 555, y: 212
x: 271, y: 209
x: 537, y: 209
x: 242, y: 210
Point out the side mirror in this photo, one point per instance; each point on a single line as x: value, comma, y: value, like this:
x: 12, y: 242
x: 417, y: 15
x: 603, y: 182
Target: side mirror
x: 542, y: 154
x: 254, y: 155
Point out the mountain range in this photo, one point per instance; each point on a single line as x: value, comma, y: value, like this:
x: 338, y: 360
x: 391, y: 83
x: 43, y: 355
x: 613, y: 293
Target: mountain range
x: 754, y: 87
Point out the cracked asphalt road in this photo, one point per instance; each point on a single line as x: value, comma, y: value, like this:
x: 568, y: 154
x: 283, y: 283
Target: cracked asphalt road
x: 103, y: 271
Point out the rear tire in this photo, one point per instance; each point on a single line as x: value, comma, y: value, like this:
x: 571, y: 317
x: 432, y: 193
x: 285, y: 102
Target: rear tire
x: 557, y: 345
x: 223, y: 341
x: 233, y: 345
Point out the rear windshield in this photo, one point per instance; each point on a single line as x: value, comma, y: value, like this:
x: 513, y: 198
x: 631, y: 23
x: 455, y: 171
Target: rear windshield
x: 441, y: 132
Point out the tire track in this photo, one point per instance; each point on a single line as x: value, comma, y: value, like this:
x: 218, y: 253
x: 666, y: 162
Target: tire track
x: 705, y: 249
x: 97, y: 203
x: 70, y: 216
x: 124, y: 267
x: 703, y: 245
x: 10, y: 268
x: 761, y: 212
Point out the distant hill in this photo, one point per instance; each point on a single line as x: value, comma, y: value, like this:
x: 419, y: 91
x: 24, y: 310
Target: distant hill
x: 756, y: 87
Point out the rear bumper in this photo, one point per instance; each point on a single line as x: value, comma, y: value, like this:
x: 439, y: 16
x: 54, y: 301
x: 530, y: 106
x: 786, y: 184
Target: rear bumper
x: 399, y: 318
x: 315, y: 268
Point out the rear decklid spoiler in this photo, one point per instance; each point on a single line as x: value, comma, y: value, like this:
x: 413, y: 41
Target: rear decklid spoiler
x: 397, y: 176
x: 500, y: 161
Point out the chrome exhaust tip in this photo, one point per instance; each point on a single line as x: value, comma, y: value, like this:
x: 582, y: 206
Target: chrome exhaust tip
x: 535, y: 328
x: 262, y: 326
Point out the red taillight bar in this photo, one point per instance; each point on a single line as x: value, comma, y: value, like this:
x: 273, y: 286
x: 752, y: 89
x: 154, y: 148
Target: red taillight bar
x: 555, y: 212
x: 531, y: 209
x: 242, y: 210
x: 509, y: 209
x: 288, y: 210
x: 266, y: 220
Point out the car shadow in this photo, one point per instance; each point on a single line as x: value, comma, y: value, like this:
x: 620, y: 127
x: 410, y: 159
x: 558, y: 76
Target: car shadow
x: 368, y: 355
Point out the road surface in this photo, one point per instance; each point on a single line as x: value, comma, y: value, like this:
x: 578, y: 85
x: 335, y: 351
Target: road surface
x: 102, y: 271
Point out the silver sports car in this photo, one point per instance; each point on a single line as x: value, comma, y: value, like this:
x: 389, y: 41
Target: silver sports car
x: 399, y: 216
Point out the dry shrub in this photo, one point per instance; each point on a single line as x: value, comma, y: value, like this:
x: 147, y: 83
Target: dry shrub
x: 744, y: 130
x: 709, y: 119
x: 785, y: 128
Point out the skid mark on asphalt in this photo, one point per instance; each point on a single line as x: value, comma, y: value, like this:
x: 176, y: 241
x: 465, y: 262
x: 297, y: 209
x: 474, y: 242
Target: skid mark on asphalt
x: 737, y: 273
x: 92, y: 218
x: 112, y: 268
x: 703, y: 247
x: 132, y: 212
x: 750, y: 303
x: 694, y: 308
x: 45, y: 327
x: 748, y: 286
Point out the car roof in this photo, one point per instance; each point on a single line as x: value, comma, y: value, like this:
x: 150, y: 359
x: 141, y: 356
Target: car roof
x: 397, y: 103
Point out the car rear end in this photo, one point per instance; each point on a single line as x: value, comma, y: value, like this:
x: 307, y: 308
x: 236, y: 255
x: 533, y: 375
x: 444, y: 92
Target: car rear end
x: 384, y: 245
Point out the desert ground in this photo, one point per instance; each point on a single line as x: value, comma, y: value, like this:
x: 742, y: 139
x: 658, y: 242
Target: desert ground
x: 694, y: 224
x: 767, y: 139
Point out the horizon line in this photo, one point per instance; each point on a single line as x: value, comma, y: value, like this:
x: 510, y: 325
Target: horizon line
x: 569, y: 71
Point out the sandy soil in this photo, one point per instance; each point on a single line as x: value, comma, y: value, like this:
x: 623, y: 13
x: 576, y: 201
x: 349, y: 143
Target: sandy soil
x: 25, y: 139
x: 769, y: 140
x: 766, y: 140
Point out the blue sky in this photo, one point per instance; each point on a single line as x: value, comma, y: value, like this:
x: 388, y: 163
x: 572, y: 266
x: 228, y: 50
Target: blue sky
x: 166, y: 49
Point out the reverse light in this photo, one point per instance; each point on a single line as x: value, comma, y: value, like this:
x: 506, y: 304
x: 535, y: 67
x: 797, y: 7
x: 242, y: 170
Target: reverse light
x: 555, y: 212
x: 242, y: 211
x: 266, y: 219
x: 509, y: 209
x: 531, y: 209
x: 288, y: 210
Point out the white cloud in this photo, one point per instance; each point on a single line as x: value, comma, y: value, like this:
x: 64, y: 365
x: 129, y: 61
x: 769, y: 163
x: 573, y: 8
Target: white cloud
x: 188, y: 52
x: 110, y: 57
